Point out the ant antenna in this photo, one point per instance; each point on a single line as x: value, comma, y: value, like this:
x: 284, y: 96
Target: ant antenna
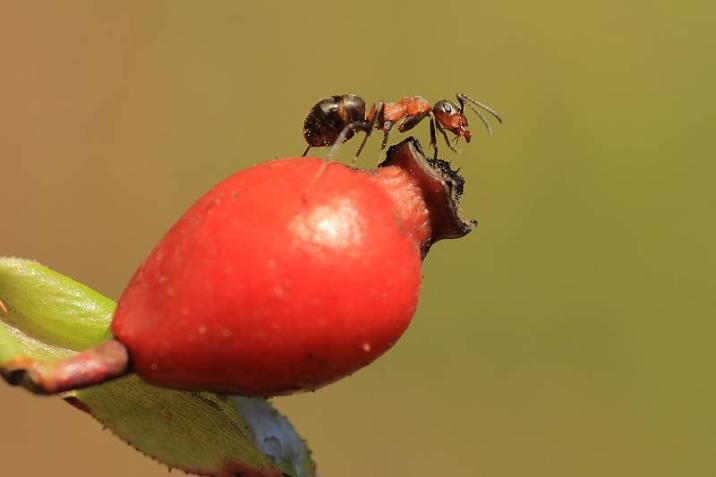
x: 462, y: 96
x: 474, y: 105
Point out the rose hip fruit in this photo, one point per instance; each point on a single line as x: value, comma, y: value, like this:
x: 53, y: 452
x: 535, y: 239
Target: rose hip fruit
x: 277, y: 280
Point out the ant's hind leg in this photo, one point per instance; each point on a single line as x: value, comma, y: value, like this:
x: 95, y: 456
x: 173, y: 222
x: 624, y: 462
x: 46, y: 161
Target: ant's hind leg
x: 314, y: 180
x: 329, y: 158
x: 306, y: 151
x: 339, y: 141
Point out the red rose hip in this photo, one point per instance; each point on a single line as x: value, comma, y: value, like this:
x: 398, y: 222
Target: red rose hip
x: 278, y: 280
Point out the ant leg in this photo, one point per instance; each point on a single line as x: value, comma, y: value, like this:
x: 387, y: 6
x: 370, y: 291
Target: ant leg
x: 409, y: 122
x: 433, y: 136
x: 331, y: 153
x: 360, y: 148
x: 366, y: 126
x: 377, y: 119
x: 387, y: 127
x: 339, y: 141
x: 306, y: 151
x: 321, y: 170
x: 368, y: 130
x: 385, y: 139
x: 447, y: 139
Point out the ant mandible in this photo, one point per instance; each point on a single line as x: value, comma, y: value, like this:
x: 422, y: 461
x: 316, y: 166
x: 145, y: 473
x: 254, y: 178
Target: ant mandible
x: 336, y: 119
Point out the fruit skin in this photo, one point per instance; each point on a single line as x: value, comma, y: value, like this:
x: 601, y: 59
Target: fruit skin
x: 275, y: 282
x: 283, y: 278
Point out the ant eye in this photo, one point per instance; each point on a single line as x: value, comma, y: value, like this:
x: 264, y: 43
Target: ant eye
x: 445, y: 107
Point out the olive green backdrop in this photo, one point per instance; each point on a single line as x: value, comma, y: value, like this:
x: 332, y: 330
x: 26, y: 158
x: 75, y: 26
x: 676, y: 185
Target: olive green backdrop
x: 569, y: 335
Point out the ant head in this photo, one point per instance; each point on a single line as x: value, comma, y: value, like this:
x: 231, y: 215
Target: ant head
x: 451, y: 117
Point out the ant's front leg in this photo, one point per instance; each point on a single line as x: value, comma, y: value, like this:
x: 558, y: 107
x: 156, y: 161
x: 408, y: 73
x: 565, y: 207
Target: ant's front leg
x: 447, y: 139
x: 409, y: 122
x: 433, y: 136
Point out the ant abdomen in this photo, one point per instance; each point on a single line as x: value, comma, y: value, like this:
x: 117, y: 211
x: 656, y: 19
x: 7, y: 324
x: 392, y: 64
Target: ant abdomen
x: 328, y: 117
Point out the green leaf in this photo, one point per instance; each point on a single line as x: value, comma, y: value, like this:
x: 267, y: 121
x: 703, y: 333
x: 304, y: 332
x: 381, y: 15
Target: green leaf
x: 10, y: 347
x: 51, y: 307
x: 51, y: 316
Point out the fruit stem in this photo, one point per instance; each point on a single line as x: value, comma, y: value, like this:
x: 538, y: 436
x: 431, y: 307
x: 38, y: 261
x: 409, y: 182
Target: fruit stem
x: 107, y: 361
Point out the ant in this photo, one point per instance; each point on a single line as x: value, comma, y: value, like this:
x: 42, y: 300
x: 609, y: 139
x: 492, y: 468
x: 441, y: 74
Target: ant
x: 336, y: 119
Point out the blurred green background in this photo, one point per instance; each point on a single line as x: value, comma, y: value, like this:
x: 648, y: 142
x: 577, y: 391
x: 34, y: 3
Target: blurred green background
x: 570, y: 334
